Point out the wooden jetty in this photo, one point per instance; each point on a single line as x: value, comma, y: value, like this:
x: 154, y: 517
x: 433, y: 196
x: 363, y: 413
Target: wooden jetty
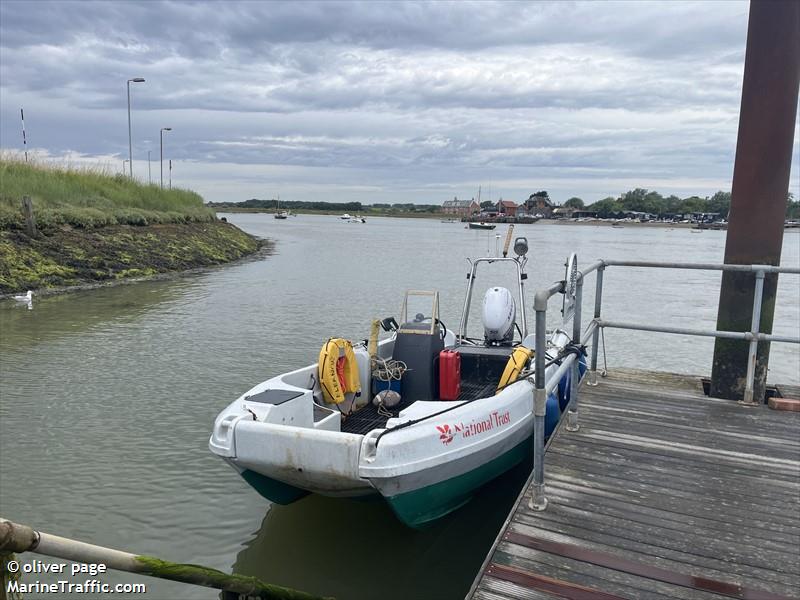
x: 662, y: 493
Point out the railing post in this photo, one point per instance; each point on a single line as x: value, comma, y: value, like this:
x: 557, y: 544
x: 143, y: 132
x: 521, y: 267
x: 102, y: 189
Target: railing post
x: 538, y: 501
x: 753, y: 349
x: 574, y: 380
x: 598, y: 302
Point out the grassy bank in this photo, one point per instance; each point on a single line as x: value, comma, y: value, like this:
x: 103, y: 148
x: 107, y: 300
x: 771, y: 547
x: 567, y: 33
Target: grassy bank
x: 89, y: 198
x: 96, y: 227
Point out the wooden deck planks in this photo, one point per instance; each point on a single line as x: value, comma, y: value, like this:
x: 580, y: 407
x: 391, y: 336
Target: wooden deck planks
x: 662, y: 493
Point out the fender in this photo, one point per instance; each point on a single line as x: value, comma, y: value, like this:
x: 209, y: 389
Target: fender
x: 515, y: 365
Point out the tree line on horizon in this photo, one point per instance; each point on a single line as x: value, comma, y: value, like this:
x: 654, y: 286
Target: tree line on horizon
x: 327, y: 206
x: 650, y: 201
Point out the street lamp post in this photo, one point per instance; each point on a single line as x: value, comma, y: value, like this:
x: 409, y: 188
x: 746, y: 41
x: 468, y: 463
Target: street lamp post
x: 130, y: 138
x: 149, y: 174
x: 161, y: 145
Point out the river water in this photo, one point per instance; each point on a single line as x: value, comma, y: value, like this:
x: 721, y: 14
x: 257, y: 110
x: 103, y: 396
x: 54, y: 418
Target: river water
x: 107, y: 397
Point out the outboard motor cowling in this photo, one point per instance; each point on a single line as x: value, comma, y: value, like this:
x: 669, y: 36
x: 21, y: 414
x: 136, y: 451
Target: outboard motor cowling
x: 499, y: 314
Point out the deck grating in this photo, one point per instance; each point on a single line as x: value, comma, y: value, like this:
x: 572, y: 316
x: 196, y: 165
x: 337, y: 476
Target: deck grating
x: 368, y: 418
x: 478, y: 389
x: 663, y: 493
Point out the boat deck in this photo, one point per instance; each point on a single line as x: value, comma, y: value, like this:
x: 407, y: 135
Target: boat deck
x: 368, y: 418
x: 663, y: 493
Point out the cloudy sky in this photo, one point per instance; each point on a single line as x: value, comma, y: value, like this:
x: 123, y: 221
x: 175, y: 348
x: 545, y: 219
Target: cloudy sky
x: 384, y: 101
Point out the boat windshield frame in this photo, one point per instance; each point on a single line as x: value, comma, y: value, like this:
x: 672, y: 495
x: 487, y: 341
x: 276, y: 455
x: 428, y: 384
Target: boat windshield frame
x: 434, y: 312
x: 519, y: 262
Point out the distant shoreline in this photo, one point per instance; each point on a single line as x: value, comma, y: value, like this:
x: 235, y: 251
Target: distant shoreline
x: 440, y: 216
x: 621, y: 224
x: 307, y: 211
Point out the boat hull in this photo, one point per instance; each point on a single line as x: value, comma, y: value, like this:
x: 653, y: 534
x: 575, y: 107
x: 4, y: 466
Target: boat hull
x: 421, y: 507
x: 425, y: 462
x: 272, y: 489
x: 418, y: 471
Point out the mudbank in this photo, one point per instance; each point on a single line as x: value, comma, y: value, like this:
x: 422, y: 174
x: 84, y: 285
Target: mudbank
x: 72, y: 257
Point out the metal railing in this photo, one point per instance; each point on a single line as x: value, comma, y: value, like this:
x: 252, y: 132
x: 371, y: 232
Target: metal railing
x: 543, y: 388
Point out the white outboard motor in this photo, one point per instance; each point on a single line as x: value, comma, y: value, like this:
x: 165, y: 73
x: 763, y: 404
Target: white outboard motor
x: 499, y: 313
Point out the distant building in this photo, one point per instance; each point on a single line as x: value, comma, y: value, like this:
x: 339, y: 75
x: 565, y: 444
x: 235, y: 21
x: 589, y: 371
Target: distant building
x: 563, y: 212
x: 699, y: 217
x: 638, y: 216
x: 539, y: 205
x: 566, y: 212
x: 461, y: 208
x: 507, y: 208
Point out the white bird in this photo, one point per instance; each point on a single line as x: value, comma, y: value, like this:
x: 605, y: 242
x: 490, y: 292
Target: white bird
x: 26, y: 299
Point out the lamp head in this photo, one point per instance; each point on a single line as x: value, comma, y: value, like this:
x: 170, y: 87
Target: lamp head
x: 521, y: 246
x: 137, y: 79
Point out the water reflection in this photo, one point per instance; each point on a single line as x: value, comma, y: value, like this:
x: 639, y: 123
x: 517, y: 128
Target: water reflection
x: 64, y: 314
x: 358, y: 550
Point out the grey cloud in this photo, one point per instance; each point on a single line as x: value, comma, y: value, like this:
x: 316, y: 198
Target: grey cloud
x: 401, y: 95
x: 201, y: 28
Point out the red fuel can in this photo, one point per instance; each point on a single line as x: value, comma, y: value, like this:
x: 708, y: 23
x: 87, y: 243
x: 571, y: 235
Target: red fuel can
x: 449, y: 375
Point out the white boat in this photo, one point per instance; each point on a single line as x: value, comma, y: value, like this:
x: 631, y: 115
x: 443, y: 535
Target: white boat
x: 357, y: 219
x: 345, y: 217
x: 317, y: 430
x: 280, y: 214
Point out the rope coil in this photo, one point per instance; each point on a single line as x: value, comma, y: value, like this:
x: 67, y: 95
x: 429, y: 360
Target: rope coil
x: 388, y: 370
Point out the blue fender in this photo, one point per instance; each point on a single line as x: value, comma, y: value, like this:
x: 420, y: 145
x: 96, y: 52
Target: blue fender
x: 563, y: 385
x: 563, y: 391
x: 552, y: 414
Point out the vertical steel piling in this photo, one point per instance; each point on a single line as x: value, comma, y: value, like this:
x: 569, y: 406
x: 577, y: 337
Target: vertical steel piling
x: 759, y: 190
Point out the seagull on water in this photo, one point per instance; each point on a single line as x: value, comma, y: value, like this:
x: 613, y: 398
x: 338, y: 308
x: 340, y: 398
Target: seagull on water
x: 26, y: 299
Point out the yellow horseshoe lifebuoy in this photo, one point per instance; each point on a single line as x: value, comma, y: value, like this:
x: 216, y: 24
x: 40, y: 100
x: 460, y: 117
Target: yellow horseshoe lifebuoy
x: 338, y: 370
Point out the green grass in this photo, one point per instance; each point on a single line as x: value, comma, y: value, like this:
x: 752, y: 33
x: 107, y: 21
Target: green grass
x: 90, y: 198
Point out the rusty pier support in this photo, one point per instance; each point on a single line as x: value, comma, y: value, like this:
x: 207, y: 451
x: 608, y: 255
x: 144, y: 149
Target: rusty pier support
x: 759, y: 191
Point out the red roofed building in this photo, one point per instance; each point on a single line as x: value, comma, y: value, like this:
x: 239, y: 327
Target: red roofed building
x: 464, y: 208
x: 507, y: 208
